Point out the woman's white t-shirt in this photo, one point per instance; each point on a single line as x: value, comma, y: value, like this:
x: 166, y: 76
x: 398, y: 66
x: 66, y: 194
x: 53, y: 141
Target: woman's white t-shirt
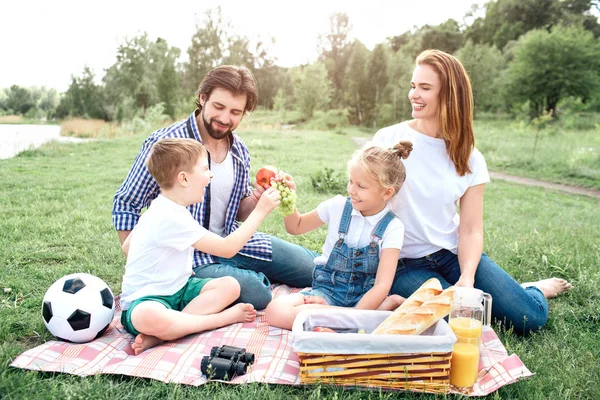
x: 427, y: 202
x: 360, y: 229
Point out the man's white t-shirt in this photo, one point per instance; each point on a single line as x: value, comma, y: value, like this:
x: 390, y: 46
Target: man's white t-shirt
x: 221, y: 187
x: 427, y: 201
x: 159, y: 261
x: 360, y: 229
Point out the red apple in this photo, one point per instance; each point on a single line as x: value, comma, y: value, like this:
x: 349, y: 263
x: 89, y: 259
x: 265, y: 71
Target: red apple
x: 264, y: 176
x: 323, y: 329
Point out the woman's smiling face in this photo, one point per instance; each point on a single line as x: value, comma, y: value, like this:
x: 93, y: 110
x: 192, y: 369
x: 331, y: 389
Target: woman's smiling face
x: 424, y: 94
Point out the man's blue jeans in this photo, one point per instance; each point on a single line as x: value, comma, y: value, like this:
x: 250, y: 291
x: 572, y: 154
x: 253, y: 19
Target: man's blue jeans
x: 525, y: 310
x: 292, y: 265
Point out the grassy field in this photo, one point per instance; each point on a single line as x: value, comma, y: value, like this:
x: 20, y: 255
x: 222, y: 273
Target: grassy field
x: 561, y: 155
x: 55, y: 219
x: 562, y: 152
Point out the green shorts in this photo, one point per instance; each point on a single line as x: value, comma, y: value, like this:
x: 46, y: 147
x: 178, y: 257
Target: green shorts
x: 177, y: 301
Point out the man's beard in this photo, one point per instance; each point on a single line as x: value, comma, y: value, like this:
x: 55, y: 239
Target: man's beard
x: 215, y: 134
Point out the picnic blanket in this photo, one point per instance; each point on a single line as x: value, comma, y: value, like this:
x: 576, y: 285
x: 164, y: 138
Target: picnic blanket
x: 179, y: 361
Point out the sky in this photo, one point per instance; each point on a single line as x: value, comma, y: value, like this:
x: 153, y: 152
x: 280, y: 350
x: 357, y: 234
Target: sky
x: 44, y: 42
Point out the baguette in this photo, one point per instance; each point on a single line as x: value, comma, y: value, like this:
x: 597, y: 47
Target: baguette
x: 421, y: 318
x: 427, y: 291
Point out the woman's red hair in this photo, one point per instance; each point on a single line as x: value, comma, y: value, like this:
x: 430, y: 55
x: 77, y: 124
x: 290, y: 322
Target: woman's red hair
x: 455, y: 115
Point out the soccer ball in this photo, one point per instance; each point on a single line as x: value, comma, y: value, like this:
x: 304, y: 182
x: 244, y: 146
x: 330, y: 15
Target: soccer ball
x: 78, y: 308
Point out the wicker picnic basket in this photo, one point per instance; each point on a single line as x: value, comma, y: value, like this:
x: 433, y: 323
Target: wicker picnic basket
x: 408, y: 362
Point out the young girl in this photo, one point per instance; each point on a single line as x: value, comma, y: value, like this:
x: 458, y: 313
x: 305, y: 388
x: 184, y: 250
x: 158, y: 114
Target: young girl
x: 363, y: 240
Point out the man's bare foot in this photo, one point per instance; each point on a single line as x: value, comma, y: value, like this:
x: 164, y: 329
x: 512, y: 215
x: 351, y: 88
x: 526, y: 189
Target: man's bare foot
x: 391, y: 302
x: 242, y: 312
x: 144, y: 342
x: 314, y: 300
x: 550, y: 287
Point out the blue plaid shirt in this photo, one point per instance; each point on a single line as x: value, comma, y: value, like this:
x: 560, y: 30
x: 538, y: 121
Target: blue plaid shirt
x: 140, y: 188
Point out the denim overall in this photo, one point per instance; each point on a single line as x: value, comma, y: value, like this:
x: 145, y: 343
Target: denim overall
x: 349, y: 272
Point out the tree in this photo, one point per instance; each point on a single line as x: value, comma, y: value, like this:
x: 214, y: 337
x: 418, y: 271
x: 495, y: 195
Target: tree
x: 3, y: 98
x: 48, y: 102
x: 238, y: 52
x: 548, y: 66
x: 446, y: 37
x: 145, y: 71
x: 360, y: 97
x: 206, y: 50
x: 400, y: 72
x: 378, y: 71
x: 507, y: 20
x: 268, y: 75
x: 83, y: 98
x: 334, y: 50
x: 398, y: 42
x: 19, y: 100
x: 169, y: 88
x: 313, y: 90
x: 484, y: 64
x: 166, y: 75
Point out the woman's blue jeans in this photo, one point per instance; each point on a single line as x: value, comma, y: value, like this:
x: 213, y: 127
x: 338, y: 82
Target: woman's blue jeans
x: 291, y: 264
x: 525, y: 310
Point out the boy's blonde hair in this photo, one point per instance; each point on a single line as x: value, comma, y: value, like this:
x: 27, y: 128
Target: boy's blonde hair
x: 170, y: 156
x: 384, y: 165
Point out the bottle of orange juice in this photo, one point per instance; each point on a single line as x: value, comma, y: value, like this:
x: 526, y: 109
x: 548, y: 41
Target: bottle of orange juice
x: 470, y: 310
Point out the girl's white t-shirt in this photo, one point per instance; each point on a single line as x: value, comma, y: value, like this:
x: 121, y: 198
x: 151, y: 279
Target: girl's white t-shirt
x: 360, y: 229
x: 159, y: 261
x: 427, y: 202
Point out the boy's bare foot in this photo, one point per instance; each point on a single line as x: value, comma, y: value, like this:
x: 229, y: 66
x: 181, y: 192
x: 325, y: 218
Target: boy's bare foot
x: 242, y: 312
x: 144, y: 342
x: 391, y: 302
x: 550, y: 287
x: 314, y: 300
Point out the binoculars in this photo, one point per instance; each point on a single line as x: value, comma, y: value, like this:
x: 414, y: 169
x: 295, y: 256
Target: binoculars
x: 226, y: 362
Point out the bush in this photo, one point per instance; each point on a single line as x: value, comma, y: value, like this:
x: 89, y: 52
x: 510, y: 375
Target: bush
x: 327, y: 120
x: 154, y: 119
x: 329, y: 181
x: 573, y: 114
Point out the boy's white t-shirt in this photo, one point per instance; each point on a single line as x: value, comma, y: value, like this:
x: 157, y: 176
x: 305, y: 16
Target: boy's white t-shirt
x: 159, y: 261
x: 360, y: 229
x: 427, y: 201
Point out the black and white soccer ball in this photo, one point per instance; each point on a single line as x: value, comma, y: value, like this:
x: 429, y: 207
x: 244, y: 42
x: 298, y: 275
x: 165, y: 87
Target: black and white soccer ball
x: 78, y: 308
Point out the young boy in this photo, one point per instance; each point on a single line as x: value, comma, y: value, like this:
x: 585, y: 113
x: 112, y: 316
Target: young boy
x: 161, y: 300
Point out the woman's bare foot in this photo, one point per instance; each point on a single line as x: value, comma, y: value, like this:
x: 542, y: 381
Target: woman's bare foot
x: 242, y: 312
x: 314, y: 300
x: 550, y: 287
x: 143, y: 342
x: 391, y: 302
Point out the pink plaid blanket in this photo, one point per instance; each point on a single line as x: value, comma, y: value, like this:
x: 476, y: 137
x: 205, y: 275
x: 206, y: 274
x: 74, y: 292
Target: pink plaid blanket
x: 179, y: 361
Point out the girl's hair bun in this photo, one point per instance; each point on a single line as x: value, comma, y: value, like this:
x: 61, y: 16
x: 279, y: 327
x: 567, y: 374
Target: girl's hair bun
x: 403, y: 149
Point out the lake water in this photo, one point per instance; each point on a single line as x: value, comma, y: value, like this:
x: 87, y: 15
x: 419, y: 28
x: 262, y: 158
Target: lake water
x: 17, y: 138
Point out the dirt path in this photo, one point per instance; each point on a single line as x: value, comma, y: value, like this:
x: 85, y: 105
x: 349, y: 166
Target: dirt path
x: 360, y: 141
x: 546, y: 185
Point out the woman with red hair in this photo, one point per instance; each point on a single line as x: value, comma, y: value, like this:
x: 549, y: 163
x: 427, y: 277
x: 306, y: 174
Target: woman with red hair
x: 446, y: 171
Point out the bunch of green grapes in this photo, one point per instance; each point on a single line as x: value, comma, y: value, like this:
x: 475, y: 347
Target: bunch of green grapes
x: 288, y: 198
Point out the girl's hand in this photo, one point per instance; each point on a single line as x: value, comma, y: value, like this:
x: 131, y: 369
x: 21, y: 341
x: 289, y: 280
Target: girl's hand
x: 287, y: 179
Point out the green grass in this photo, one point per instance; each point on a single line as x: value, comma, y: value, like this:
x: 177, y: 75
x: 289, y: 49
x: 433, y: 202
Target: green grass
x: 55, y: 219
x: 562, y: 155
